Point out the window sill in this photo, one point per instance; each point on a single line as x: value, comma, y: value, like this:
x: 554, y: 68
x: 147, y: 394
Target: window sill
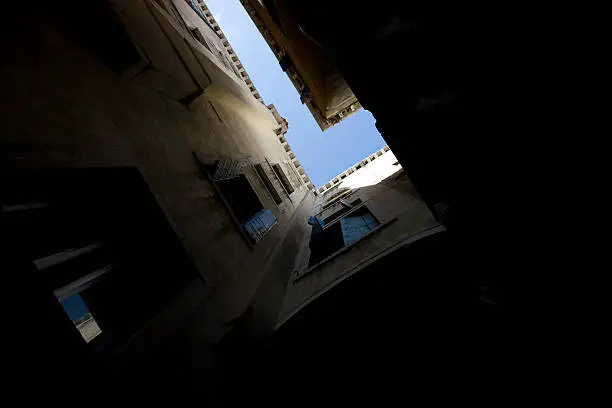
x: 307, y: 271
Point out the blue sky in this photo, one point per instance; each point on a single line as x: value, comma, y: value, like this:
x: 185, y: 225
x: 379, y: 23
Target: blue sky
x: 322, y: 154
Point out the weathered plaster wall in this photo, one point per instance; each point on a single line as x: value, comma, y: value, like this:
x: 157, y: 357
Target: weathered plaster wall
x: 62, y: 107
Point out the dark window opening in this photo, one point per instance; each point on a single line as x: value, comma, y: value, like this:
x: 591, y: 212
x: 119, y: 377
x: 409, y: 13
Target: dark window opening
x: 283, y: 178
x: 335, y: 236
x: 343, y: 210
x: 285, y: 63
x: 240, y: 197
x: 268, y: 183
x: 199, y: 37
x: 101, y: 245
x: 324, y: 242
x: 102, y: 33
x: 249, y: 212
x: 234, y: 189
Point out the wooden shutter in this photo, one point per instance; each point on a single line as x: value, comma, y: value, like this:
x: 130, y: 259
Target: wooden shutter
x: 260, y: 224
x: 268, y: 183
x: 283, y: 178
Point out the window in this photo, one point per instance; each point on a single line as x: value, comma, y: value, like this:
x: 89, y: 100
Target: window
x: 86, y: 265
x: 199, y: 37
x: 356, y: 225
x: 283, y: 178
x: 100, y: 244
x: 335, y: 194
x: 238, y: 194
x: 324, y: 242
x: 77, y: 311
x: 105, y: 37
x: 268, y: 183
x: 196, y: 8
x: 343, y: 209
x: 330, y: 235
x: 328, y: 238
x: 240, y: 197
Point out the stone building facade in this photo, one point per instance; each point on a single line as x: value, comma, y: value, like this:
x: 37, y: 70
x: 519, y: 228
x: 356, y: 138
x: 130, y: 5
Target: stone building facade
x: 317, y: 80
x: 203, y: 10
x: 140, y: 173
x: 231, y: 56
x: 280, y: 132
x: 151, y: 209
x: 360, y: 216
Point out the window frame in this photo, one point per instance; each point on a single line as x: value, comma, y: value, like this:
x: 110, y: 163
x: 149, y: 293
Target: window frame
x: 333, y: 228
x: 103, y: 213
x: 208, y: 170
x: 348, y: 213
x: 315, y: 266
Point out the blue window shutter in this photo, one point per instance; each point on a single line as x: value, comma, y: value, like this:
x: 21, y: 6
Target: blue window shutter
x: 258, y: 225
x: 354, y: 228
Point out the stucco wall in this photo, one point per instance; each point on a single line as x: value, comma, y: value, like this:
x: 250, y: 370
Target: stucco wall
x: 62, y: 107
